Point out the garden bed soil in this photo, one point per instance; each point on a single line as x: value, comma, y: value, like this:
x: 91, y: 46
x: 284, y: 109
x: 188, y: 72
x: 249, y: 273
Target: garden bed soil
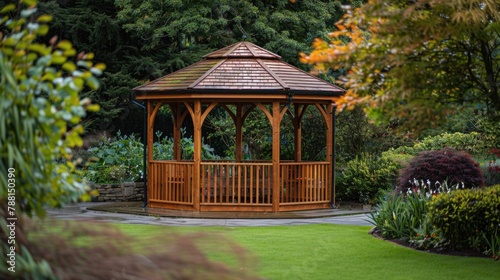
x: 441, y: 251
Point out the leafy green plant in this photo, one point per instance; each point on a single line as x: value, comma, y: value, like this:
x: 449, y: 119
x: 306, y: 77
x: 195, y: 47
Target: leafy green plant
x: 118, y: 160
x: 356, y: 134
x: 40, y: 115
x: 442, y: 165
x: 405, y: 216
x: 493, y: 243
x: 401, y: 159
x: 463, y: 215
x: 400, y: 217
x: 426, y: 237
x: 491, y: 167
x: 364, y: 176
x: 121, y: 159
x: 490, y: 129
x: 471, y: 143
x: 41, y: 110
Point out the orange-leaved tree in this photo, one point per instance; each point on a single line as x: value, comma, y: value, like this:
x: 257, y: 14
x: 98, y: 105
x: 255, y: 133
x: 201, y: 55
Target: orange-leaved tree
x: 416, y: 60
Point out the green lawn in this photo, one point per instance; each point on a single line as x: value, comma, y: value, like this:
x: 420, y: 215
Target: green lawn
x: 333, y: 252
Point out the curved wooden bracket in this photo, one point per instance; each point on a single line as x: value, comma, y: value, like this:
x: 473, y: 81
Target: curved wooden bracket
x: 324, y: 114
x: 266, y: 112
x: 248, y: 111
x: 207, y: 111
x: 231, y: 114
x: 152, y: 117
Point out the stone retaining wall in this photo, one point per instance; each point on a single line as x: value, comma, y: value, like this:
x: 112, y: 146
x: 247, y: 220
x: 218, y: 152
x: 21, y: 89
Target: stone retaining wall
x: 119, y: 192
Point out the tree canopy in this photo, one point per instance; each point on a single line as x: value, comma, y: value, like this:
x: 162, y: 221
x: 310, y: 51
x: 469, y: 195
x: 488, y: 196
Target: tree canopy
x: 143, y: 40
x: 416, y: 60
x: 180, y: 32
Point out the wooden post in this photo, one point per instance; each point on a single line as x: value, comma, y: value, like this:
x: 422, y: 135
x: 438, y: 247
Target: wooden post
x: 330, y: 149
x: 150, y: 128
x: 276, y: 121
x: 197, y: 122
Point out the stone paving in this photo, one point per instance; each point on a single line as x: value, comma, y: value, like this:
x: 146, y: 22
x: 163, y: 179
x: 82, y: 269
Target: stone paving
x: 86, y: 211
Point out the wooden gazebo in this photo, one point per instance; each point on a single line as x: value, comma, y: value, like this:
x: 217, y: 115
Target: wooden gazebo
x: 245, y: 77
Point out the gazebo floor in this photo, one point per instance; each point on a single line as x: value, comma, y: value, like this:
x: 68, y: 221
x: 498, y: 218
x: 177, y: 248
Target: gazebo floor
x: 136, y: 208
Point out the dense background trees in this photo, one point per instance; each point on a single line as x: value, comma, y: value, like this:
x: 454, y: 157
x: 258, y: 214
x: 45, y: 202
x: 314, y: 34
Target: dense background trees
x: 143, y: 40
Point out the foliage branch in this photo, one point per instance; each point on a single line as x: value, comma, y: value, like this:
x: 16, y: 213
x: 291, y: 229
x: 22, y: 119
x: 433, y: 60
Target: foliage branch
x: 411, y: 60
x: 40, y: 110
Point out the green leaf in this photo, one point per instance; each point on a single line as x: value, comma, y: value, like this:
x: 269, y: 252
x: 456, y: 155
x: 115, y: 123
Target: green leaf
x: 64, y: 45
x: 96, y: 71
x: 44, y: 18
x: 58, y: 59
x: 8, y: 8
x: 92, y: 82
x: 30, y: 2
x: 69, y: 66
x: 28, y: 13
x: 42, y: 30
x: 93, y: 107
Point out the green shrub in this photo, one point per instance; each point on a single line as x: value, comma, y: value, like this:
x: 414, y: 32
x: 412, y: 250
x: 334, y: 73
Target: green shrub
x: 364, y: 177
x: 491, y: 167
x: 118, y: 160
x: 471, y: 143
x: 468, y: 219
x: 442, y: 165
x: 356, y: 134
x: 490, y: 130
x: 401, y: 159
x: 121, y: 159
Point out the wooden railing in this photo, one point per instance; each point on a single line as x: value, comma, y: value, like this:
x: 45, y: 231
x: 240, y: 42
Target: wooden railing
x: 238, y: 186
x: 171, y: 181
x: 304, y: 182
x: 246, y: 183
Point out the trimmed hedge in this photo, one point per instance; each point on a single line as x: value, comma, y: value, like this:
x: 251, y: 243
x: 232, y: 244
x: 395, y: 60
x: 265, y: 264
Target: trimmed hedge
x: 467, y: 218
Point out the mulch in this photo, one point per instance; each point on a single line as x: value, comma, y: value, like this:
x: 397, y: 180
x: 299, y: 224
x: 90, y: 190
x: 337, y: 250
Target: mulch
x: 440, y: 250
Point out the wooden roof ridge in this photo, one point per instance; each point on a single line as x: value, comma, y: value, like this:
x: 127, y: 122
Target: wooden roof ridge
x: 202, y: 77
x: 254, y: 51
x: 274, y: 75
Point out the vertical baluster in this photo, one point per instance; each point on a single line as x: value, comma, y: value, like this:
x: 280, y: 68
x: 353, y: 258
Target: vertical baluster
x: 233, y: 194
x: 220, y: 184
x: 251, y: 182
x: 203, y: 184
x: 257, y: 185
x: 239, y: 184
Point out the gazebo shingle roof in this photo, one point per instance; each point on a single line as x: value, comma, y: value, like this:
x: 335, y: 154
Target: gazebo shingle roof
x: 242, y: 67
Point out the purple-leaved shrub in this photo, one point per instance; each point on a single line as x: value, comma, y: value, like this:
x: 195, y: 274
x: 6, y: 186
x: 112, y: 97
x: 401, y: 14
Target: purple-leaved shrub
x: 454, y: 167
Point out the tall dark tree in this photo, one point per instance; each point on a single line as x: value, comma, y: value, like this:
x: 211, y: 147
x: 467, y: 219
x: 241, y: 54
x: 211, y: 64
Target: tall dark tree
x: 180, y: 32
x: 142, y: 40
x: 92, y: 26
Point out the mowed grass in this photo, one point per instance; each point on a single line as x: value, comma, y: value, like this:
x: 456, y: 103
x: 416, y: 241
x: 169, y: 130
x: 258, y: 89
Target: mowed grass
x: 331, y: 252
